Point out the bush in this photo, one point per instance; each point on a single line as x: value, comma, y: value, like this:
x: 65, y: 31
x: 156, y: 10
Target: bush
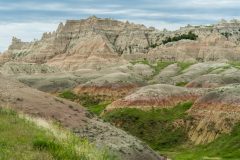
x: 190, y: 36
x: 181, y: 83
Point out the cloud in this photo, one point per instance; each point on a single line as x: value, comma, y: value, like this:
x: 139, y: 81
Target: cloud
x: 24, y: 31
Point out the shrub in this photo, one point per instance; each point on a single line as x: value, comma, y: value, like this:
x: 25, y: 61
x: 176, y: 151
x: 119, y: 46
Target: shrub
x: 181, y: 83
x: 190, y: 36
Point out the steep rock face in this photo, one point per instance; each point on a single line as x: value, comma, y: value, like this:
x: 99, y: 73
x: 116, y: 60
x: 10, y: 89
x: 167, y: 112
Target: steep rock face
x: 91, y: 52
x: 88, y: 43
x: 100, y: 43
x: 156, y: 96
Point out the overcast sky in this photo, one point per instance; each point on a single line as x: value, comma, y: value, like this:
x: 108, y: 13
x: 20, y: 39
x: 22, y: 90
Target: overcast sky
x: 28, y: 19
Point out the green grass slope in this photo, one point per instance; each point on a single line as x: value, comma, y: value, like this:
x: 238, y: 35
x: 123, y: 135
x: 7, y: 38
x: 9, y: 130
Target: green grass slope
x: 22, y: 138
x: 153, y: 126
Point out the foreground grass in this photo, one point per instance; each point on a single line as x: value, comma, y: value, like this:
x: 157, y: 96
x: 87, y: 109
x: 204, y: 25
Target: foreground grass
x: 22, y: 138
x: 153, y: 126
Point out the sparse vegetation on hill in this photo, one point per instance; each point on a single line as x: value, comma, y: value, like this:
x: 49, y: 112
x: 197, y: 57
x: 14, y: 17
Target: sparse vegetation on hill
x: 159, y: 66
x: 153, y: 126
x: 181, y: 83
x: 184, y: 65
x: 85, y: 101
x: 236, y: 65
x: 22, y: 138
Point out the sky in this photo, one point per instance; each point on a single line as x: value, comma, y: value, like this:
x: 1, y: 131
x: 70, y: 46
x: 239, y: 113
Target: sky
x: 28, y: 19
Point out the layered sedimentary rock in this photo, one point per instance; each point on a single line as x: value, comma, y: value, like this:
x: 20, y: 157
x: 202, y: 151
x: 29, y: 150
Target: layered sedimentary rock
x: 156, y: 96
x: 90, y: 43
x: 26, y: 68
x: 107, y: 93
x: 100, y: 43
x: 110, y: 87
x: 216, y: 112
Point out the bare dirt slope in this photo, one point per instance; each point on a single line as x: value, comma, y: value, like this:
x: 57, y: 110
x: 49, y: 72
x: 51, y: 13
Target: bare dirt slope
x: 73, y: 116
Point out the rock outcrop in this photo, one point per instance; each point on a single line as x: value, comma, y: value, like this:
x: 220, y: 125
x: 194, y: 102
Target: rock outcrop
x: 90, y: 43
x: 215, y: 113
x: 101, y: 43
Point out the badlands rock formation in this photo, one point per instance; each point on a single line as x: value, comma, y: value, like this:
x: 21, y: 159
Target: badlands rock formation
x: 90, y: 43
x: 218, y: 109
x: 101, y: 43
x: 156, y: 96
x: 26, y: 68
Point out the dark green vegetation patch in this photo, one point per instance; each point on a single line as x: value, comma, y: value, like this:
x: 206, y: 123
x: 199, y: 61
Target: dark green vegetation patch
x: 181, y: 83
x: 190, y: 36
x: 154, y: 126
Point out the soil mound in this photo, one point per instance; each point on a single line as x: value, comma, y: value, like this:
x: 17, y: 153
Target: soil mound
x: 156, y: 96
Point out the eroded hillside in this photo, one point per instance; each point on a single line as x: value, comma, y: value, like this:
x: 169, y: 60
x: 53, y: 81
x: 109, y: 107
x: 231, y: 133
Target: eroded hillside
x: 170, y: 89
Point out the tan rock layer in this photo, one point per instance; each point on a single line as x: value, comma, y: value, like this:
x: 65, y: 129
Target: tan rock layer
x: 146, y: 103
x: 216, y: 111
x: 196, y: 85
x: 215, y: 114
